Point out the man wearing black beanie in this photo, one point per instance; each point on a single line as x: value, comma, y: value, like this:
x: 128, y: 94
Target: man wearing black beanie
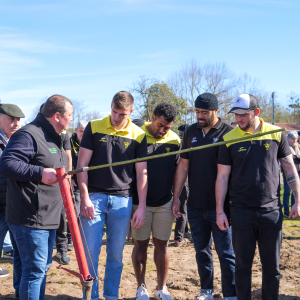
x: 201, y: 168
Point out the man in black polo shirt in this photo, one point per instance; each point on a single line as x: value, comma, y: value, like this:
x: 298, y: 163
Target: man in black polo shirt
x: 159, y: 218
x: 106, y: 194
x: 201, y: 168
x: 254, y: 191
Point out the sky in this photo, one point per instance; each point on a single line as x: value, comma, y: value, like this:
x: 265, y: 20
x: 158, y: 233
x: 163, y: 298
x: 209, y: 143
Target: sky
x: 90, y: 49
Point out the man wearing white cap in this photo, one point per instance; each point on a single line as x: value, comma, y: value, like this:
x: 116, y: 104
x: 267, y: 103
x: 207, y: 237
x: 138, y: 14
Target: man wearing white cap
x: 254, y: 194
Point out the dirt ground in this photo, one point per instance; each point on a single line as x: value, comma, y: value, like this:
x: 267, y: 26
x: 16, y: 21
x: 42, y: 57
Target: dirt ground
x: 183, y: 280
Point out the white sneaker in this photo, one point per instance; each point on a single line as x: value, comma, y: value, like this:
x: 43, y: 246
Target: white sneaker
x: 204, y: 296
x: 142, y: 293
x: 162, y: 294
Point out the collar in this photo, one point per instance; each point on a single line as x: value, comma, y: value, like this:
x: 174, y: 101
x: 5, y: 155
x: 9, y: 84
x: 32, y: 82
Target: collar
x: 262, y: 129
x: 3, y: 138
x: 47, y: 126
x: 109, y: 126
x: 144, y: 127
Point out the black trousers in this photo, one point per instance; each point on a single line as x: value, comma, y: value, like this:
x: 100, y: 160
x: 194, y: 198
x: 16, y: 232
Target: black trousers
x: 61, y: 233
x: 181, y: 226
x: 77, y: 202
x: 265, y: 228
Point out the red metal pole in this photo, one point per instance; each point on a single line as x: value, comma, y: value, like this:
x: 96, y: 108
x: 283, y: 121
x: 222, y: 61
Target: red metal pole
x: 85, y: 276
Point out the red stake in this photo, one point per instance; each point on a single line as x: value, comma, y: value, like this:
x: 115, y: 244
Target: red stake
x: 84, y: 275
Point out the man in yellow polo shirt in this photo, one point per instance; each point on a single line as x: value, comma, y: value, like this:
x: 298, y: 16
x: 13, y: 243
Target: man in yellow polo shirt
x: 159, y: 218
x: 254, y: 195
x: 106, y: 194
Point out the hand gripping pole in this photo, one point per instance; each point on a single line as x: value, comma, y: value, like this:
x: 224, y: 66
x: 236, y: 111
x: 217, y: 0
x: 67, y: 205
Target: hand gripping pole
x: 84, y: 275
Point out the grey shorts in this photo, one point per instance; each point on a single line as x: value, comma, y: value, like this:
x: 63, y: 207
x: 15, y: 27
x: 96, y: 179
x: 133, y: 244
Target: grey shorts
x: 159, y: 220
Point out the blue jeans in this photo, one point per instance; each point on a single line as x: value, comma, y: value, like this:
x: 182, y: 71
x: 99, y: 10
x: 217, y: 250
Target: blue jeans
x: 115, y: 211
x: 35, y: 247
x: 264, y: 228
x: 203, y: 226
x: 5, y: 243
x: 286, y: 195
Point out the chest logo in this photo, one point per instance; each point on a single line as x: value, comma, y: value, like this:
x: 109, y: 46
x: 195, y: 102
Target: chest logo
x: 242, y: 149
x: 126, y: 144
x: 267, y: 146
x: 215, y: 140
x: 103, y: 139
x: 194, y: 140
x: 168, y: 149
x: 52, y: 150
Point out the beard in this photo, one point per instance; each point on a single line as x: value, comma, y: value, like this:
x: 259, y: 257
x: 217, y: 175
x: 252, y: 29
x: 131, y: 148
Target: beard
x: 208, y: 121
x: 248, y: 125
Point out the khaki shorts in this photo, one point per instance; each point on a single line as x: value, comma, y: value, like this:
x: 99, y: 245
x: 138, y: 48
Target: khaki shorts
x: 159, y: 220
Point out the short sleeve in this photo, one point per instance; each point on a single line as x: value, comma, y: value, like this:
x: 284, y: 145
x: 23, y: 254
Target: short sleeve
x: 67, y: 143
x: 184, y: 145
x: 283, y: 147
x: 141, y: 148
x: 87, y: 138
x: 224, y: 157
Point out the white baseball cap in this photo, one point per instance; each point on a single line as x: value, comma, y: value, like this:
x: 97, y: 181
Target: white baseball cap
x: 243, y: 104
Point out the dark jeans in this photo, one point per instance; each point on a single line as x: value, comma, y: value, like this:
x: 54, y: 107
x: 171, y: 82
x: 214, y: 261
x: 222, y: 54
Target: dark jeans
x: 35, y: 248
x: 249, y: 226
x: 286, y: 195
x: 181, y: 226
x: 77, y: 209
x: 17, y: 266
x: 203, y: 225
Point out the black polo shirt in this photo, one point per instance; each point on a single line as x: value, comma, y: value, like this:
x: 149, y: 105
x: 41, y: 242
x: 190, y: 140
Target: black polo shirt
x: 203, y: 163
x: 160, y: 170
x: 110, y: 145
x: 254, y: 167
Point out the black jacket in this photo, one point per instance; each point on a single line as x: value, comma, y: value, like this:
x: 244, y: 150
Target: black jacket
x: 30, y: 202
x: 3, y: 183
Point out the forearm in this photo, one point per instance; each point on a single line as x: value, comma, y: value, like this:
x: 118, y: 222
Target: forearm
x: 221, y: 191
x: 82, y: 179
x: 20, y: 171
x: 142, y: 188
x: 291, y: 176
x: 179, y: 180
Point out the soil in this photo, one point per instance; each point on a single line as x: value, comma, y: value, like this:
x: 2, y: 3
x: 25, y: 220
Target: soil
x: 183, y: 280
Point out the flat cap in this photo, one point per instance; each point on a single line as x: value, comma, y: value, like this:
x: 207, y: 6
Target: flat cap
x: 11, y: 110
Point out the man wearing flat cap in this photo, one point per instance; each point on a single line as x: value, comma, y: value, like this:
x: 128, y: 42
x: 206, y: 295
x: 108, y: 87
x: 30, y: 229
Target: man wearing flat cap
x: 201, y: 168
x: 34, y: 201
x: 10, y: 115
x: 254, y: 191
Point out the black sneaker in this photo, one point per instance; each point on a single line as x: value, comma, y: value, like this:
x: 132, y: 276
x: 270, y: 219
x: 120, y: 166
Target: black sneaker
x: 286, y: 213
x: 3, y: 273
x: 63, y: 258
x: 70, y: 245
x: 8, y: 254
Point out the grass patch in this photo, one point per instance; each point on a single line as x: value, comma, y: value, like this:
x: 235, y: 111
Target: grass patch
x: 61, y: 282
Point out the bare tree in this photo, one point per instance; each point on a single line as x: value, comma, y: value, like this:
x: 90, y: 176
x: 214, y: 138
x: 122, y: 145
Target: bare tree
x: 194, y: 79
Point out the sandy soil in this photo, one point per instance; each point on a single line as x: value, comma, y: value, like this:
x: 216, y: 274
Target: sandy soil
x: 183, y: 281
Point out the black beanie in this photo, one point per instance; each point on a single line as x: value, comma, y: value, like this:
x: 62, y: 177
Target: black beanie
x: 207, y: 101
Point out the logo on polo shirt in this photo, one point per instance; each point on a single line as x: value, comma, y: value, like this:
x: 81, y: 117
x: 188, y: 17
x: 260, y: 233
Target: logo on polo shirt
x: 126, y: 144
x: 52, y: 150
x: 242, y: 149
x: 267, y: 146
x: 194, y: 140
x: 168, y: 149
x: 103, y: 140
x: 215, y: 140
